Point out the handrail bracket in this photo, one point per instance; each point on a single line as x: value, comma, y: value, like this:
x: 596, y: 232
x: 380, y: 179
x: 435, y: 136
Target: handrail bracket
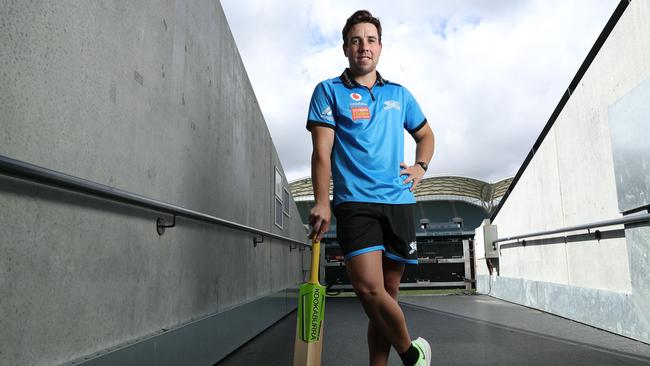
x: 257, y: 241
x: 161, y: 224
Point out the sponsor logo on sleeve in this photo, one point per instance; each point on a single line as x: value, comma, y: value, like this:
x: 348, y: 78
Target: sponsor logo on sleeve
x: 327, y: 114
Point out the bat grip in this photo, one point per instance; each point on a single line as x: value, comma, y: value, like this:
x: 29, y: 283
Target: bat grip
x: 315, y: 254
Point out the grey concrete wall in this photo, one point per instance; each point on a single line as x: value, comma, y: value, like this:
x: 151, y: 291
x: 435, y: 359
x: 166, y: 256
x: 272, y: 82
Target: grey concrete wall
x: 149, y: 97
x: 571, y: 181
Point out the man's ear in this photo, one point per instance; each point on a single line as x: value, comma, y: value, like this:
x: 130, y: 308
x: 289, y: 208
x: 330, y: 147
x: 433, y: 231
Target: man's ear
x: 345, y: 51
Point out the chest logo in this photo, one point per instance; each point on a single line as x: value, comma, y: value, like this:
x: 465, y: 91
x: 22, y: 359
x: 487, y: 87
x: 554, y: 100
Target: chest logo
x: 392, y: 104
x: 360, y: 113
x: 355, y: 96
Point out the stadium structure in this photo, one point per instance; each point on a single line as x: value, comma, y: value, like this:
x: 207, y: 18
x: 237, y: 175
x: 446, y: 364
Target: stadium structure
x: 447, y: 211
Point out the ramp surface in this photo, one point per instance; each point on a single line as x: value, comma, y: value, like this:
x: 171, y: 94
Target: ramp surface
x: 463, y: 330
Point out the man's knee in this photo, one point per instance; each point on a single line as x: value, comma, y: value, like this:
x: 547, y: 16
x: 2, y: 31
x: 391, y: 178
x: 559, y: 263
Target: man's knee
x: 392, y: 289
x: 368, y: 293
x: 392, y: 282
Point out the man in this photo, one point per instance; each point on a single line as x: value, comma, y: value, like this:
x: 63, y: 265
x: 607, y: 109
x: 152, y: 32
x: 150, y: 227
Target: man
x: 357, y: 122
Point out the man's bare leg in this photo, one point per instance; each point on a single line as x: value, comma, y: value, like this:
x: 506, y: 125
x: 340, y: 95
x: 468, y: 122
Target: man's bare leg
x: 366, y: 275
x: 378, y: 345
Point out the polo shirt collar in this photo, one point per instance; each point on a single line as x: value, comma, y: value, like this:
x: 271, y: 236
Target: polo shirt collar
x: 347, y: 80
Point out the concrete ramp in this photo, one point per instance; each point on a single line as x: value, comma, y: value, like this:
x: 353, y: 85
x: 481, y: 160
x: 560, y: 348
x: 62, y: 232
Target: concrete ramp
x: 463, y: 330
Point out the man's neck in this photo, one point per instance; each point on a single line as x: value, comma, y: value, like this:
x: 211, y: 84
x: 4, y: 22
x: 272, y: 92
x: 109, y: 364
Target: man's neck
x: 368, y: 80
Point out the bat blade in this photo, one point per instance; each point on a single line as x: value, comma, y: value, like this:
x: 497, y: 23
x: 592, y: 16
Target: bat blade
x: 309, y: 328
x: 311, y: 312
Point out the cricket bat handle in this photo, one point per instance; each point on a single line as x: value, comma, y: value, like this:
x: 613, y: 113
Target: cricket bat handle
x: 315, y: 254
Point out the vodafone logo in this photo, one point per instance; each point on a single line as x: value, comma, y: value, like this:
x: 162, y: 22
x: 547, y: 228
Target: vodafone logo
x: 355, y: 96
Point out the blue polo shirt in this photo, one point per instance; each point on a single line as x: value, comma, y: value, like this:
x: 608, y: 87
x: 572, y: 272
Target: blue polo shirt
x: 369, y: 129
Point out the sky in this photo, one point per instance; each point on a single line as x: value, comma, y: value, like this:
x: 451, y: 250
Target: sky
x: 486, y: 73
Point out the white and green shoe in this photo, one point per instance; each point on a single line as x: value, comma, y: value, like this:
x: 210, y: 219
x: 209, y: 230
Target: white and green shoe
x: 425, y: 352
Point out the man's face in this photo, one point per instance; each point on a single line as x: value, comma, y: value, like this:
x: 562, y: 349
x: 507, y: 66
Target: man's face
x: 363, y: 48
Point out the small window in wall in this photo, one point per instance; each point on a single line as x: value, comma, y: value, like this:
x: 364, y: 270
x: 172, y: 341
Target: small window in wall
x: 285, y: 201
x: 278, y: 213
x: 278, y: 184
x: 278, y: 199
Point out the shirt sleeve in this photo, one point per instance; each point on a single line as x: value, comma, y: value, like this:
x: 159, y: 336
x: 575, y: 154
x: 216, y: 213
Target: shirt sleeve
x: 321, y: 108
x: 414, y: 119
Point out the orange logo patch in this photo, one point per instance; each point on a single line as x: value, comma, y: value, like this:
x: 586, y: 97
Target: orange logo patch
x: 360, y: 113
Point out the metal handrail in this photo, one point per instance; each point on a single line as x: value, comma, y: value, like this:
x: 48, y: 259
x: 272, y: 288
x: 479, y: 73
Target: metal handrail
x: 631, y: 219
x: 34, y: 173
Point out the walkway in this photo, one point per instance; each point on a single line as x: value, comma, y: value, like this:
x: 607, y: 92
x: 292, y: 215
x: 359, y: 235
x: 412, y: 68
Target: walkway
x: 464, y: 330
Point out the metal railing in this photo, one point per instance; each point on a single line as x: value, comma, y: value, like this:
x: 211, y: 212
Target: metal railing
x: 630, y: 219
x: 37, y: 174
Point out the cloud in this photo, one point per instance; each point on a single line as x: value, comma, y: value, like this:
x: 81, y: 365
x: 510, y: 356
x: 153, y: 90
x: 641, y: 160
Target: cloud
x: 487, y: 74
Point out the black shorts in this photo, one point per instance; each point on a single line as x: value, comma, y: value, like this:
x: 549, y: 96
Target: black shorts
x: 366, y: 227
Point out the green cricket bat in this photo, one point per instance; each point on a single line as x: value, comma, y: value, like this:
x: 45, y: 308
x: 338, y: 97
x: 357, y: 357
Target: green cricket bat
x: 311, y: 311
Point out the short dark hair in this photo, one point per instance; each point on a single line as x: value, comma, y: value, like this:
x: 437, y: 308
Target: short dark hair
x: 360, y: 16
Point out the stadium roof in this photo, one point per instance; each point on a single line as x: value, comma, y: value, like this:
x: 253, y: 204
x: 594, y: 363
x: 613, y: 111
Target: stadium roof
x: 480, y: 193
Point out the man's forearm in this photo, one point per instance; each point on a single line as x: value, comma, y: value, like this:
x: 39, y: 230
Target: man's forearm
x: 320, y: 176
x: 424, y: 148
